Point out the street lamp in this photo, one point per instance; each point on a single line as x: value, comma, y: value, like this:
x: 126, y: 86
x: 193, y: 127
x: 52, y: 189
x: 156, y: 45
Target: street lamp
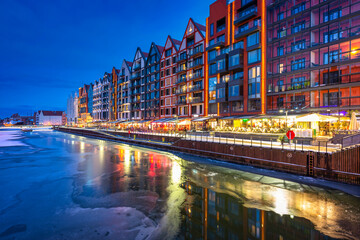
x: 176, y: 122
x: 286, y: 118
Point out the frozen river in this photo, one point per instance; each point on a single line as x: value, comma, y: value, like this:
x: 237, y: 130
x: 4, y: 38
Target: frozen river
x: 60, y: 186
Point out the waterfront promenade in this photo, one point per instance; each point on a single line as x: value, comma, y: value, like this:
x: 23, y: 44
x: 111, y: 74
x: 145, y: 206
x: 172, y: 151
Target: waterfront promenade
x: 332, y: 163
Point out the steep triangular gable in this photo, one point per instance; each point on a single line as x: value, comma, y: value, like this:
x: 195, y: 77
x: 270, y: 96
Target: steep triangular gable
x: 191, y: 28
x: 139, y: 54
x: 125, y: 65
x: 168, y: 44
x: 155, y: 49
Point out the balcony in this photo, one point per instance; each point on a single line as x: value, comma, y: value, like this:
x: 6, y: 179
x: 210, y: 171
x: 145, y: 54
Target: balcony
x: 181, y: 69
x: 215, y: 44
x: 182, y: 57
x: 181, y: 80
x: 196, y: 100
x: 194, y: 88
x: 135, y: 76
x: 255, y: 26
x: 181, y: 102
x: 236, y: 80
x: 181, y: 91
x: 195, y: 64
x: 195, y: 51
x: 136, y: 67
x: 195, y: 75
x: 245, y: 15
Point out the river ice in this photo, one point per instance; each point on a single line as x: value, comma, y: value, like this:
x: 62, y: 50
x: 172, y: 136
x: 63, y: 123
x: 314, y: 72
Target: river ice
x: 60, y: 186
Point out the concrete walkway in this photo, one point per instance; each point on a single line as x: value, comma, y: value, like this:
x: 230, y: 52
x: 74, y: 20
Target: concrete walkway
x: 244, y: 142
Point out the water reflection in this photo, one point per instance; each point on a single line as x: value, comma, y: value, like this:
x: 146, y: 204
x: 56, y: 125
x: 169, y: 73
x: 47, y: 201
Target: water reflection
x: 198, y: 201
x: 213, y: 215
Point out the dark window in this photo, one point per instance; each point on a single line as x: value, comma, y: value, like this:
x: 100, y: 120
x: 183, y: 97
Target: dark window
x: 280, y: 51
x: 298, y: 8
x: 221, y: 38
x: 220, y: 25
x: 211, y: 30
x: 190, y: 41
x: 168, y: 53
x: 280, y: 16
x: 332, y: 99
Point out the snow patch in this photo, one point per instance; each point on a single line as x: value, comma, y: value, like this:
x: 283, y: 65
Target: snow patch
x: 9, y: 139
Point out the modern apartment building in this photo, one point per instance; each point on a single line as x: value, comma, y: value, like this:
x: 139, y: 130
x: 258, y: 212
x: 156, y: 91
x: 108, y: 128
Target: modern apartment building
x: 101, y: 98
x: 137, y: 85
x: 72, y: 108
x: 168, y: 78
x: 313, y: 53
x: 123, y: 93
x: 236, y: 72
x: 85, y: 107
x: 190, y: 84
x: 114, y: 93
x: 152, y: 83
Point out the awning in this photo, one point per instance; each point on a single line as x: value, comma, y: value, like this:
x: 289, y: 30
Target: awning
x: 118, y: 121
x: 201, y: 119
x: 315, y: 117
x: 237, y: 117
x: 144, y: 121
x: 161, y: 120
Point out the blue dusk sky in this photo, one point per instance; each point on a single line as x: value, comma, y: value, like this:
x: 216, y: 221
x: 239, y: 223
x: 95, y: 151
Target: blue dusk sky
x: 51, y: 48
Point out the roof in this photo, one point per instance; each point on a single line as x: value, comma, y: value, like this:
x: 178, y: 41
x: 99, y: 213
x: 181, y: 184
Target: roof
x: 175, y: 41
x: 160, y: 48
x: 145, y: 54
x: 51, y: 113
x: 200, y: 26
x: 129, y: 63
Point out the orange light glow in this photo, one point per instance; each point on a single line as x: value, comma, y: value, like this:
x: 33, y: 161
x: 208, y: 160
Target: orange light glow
x: 263, y: 57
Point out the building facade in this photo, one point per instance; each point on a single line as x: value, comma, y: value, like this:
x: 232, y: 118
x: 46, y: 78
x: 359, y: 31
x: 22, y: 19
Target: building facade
x: 49, y: 118
x: 168, y: 77
x: 102, y: 94
x: 113, y: 104
x: 123, y: 94
x: 190, y: 84
x: 313, y: 56
x: 85, y: 103
x: 236, y: 72
x: 152, y: 83
x: 72, y: 109
x: 137, y: 85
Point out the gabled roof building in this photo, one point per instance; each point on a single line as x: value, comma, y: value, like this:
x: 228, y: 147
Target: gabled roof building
x: 152, y: 83
x: 191, y: 85
x: 137, y: 85
x: 168, y: 77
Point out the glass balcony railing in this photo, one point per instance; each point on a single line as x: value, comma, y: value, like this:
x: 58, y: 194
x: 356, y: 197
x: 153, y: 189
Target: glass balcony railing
x: 196, y: 99
x: 197, y: 87
x: 195, y: 75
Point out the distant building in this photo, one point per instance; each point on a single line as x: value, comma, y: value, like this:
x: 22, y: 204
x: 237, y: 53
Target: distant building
x: 49, y: 118
x: 137, y: 85
x: 85, y: 104
x: 72, y: 109
x: 101, y: 98
x: 123, y: 99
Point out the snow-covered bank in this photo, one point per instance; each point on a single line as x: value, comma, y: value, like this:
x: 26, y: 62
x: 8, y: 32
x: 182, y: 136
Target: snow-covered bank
x: 11, y: 138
